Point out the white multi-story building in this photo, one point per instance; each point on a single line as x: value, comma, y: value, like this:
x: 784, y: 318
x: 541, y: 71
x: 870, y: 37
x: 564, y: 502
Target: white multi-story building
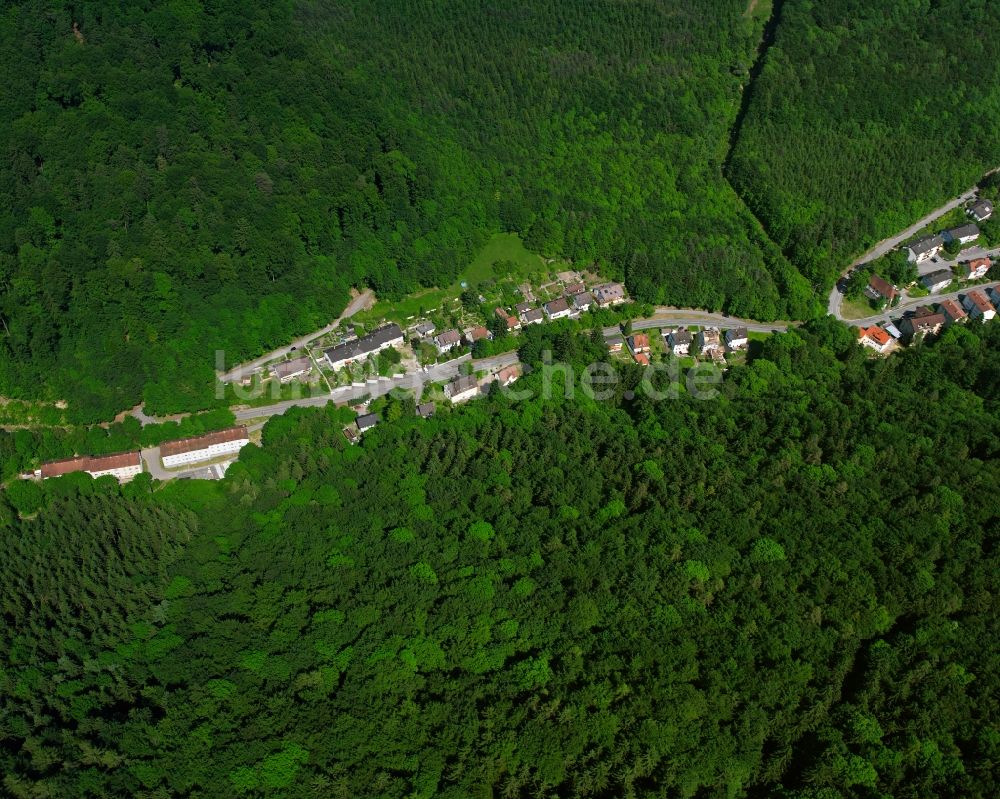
x: 123, y: 466
x: 390, y: 335
x: 204, y: 448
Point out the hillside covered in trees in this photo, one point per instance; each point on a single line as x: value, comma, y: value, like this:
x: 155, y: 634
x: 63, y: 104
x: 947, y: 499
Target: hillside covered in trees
x: 789, y: 590
x: 186, y: 177
x: 865, y: 117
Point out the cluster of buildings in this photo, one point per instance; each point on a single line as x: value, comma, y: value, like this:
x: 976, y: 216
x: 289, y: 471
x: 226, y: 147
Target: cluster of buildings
x: 929, y: 246
x: 976, y: 304
x: 709, y: 342
x: 576, y: 299
x: 123, y: 466
x: 934, y: 282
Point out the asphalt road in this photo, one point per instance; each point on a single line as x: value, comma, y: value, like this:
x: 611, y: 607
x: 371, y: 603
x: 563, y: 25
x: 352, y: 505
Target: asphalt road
x: 667, y: 317
x: 357, y: 304
x: 376, y: 388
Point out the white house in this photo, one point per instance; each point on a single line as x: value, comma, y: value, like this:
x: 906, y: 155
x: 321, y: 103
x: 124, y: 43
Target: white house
x: 875, y: 338
x: 582, y: 301
x: 462, y: 388
x: 978, y: 306
x: 447, y: 340
x: 936, y: 281
x: 123, y: 466
x: 709, y: 340
x: 964, y: 234
x: 679, y: 341
x: 289, y: 370
x: 557, y: 309
x: 974, y: 269
x: 980, y: 210
x: 203, y: 448
x: 609, y: 294
x: 924, y: 248
x: 738, y: 338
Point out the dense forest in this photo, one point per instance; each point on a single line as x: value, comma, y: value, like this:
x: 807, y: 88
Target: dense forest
x: 788, y: 590
x: 866, y: 116
x: 186, y: 177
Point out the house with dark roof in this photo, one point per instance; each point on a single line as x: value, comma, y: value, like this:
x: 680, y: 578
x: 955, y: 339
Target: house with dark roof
x: 923, y: 323
x: 521, y: 307
x: 557, y: 309
x: 425, y: 410
x: 924, y: 248
x: 462, y: 388
x: 390, y: 335
x: 367, y: 422
x: 937, y: 281
x: 533, y: 316
x: 879, y: 289
x: 582, y: 301
x: 964, y: 234
x: 738, y: 338
x: 980, y: 210
x: 474, y: 334
x: 679, y: 341
x: 574, y: 288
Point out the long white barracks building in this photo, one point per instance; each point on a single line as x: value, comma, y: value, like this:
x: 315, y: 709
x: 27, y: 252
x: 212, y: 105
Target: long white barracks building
x: 204, y: 448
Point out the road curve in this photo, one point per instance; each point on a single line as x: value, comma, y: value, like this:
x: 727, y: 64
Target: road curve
x: 357, y: 304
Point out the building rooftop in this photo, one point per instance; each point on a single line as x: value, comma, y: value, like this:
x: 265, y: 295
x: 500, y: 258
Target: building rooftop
x: 926, y: 244
x: 294, y: 366
x: 366, y: 344
x: 91, y: 463
x: 182, y: 445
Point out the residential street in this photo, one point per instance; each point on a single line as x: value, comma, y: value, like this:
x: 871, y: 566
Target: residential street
x: 359, y: 303
x: 899, y: 310
x: 665, y: 317
x: 376, y: 388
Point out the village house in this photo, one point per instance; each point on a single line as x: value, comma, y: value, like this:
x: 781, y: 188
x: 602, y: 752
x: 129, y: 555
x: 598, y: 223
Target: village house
x: 892, y: 330
x: 923, y: 323
x: 963, y: 234
x: 679, y: 341
x: 937, y: 281
x: 557, y: 309
x: 708, y: 340
x: 461, y: 389
x: 426, y: 410
x: 351, y: 434
x: 638, y: 343
x: 381, y: 339
x: 574, y: 288
x: 289, y: 370
x: 582, y: 301
x: 879, y: 289
x: 508, y: 375
x: 367, y: 422
x: 875, y: 338
x: 980, y: 210
x: 951, y: 311
x: 513, y: 324
x: 978, y: 306
x: 474, y: 334
x: 994, y: 293
x: 738, y: 338
x: 641, y: 358
x: 202, y: 448
x: 609, y: 294
x: 447, y: 340
x: 424, y: 329
x: 922, y: 249
x: 533, y: 316
x: 974, y: 269
x: 523, y: 307
x: 123, y: 466
x: 615, y: 344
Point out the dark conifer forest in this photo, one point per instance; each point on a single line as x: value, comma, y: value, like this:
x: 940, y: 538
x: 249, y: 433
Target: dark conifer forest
x: 788, y: 590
